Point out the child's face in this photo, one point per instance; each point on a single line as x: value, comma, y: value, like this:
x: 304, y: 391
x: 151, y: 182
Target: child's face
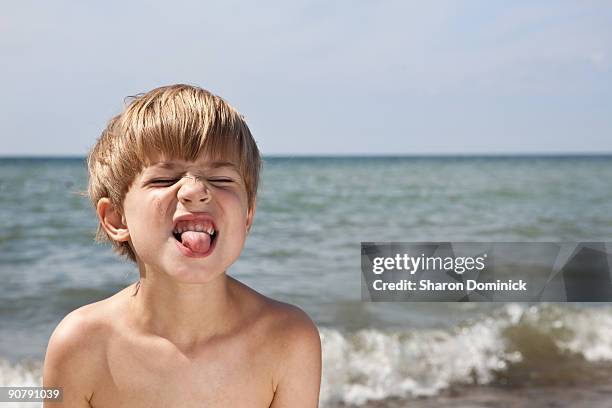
x: 167, y: 190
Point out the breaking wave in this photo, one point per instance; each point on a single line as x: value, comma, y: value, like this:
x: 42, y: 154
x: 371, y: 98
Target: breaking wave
x: 516, y: 345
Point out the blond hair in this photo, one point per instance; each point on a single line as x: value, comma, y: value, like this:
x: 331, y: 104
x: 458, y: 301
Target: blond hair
x: 174, y: 122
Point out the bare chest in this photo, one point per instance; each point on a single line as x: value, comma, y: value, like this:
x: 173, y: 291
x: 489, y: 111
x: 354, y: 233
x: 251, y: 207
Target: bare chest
x: 236, y: 375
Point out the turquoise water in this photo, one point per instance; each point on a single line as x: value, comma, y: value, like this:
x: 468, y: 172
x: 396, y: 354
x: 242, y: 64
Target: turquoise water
x: 305, y: 244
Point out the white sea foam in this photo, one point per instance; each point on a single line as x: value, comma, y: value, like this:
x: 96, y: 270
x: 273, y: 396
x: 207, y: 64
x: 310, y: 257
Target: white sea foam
x: 26, y: 374
x: 373, y: 365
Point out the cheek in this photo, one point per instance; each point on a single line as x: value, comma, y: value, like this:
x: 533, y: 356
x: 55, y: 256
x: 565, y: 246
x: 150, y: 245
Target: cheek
x: 236, y: 206
x: 160, y: 207
x: 141, y: 218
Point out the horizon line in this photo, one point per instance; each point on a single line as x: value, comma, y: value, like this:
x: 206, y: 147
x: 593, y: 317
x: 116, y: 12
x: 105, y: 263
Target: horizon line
x: 358, y: 155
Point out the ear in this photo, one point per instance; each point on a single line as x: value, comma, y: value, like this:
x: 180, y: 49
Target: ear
x: 251, y: 216
x: 112, y: 221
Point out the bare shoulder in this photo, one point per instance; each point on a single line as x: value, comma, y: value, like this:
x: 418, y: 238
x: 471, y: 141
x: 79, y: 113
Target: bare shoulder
x: 76, y: 354
x: 298, y: 350
x: 85, y: 330
x: 295, y: 346
x: 285, y: 323
x: 291, y: 325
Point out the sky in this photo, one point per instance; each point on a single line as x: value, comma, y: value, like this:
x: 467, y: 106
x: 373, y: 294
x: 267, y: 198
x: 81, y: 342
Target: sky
x: 324, y: 78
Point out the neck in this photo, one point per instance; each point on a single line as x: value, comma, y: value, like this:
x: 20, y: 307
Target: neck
x: 184, y: 314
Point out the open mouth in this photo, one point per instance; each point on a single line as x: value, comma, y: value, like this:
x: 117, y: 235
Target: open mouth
x: 179, y: 237
x: 195, y: 239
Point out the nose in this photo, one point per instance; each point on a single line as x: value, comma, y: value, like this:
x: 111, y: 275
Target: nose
x: 193, y: 190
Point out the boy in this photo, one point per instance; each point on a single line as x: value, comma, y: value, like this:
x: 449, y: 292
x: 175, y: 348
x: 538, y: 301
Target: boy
x: 173, y: 179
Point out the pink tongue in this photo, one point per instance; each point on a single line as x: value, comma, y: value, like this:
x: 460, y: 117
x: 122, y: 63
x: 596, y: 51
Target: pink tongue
x: 196, y: 241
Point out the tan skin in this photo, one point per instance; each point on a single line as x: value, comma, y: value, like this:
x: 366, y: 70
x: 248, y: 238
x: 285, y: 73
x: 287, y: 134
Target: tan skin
x: 189, y: 336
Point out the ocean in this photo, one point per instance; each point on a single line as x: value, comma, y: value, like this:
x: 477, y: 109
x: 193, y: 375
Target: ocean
x: 304, y: 248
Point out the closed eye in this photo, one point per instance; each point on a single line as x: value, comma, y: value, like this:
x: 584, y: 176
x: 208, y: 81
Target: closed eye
x: 172, y: 181
x: 164, y: 181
